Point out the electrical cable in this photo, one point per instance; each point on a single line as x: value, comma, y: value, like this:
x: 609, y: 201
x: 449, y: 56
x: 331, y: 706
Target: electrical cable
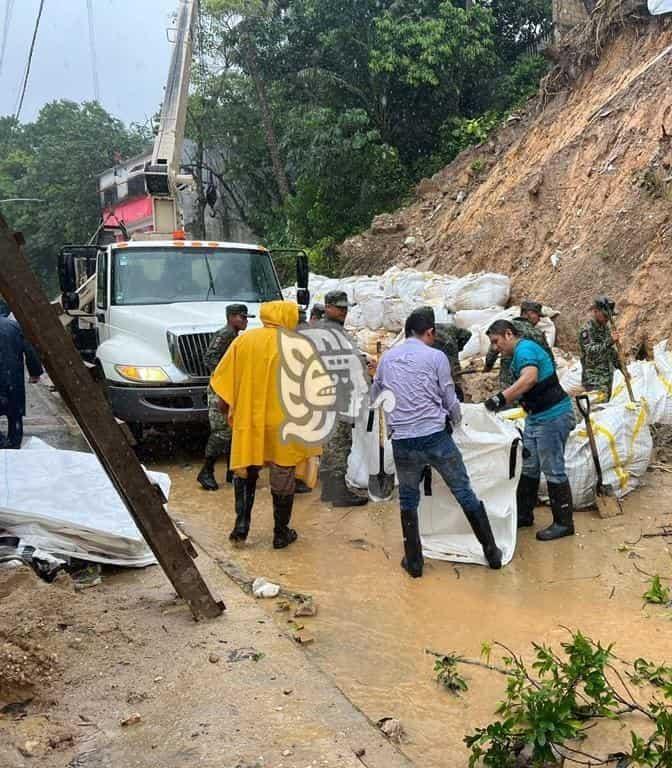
x: 92, y: 43
x: 30, y: 60
x: 9, y: 7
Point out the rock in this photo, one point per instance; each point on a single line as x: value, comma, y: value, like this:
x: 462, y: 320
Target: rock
x: 410, y: 241
x: 288, y: 691
x: 261, y: 587
x: 28, y: 748
x: 158, y: 679
x: 133, y: 719
x: 386, y: 224
x: 537, y: 183
x: 287, y: 753
x: 303, y: 638
x: 306, y: 607
x: 461, y: 196
x: 392, y: 728
x: 213, y: 658
x: 427, y: 188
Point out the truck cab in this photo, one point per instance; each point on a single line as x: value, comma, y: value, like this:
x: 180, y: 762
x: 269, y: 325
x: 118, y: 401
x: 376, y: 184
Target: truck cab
x: 155, y: 309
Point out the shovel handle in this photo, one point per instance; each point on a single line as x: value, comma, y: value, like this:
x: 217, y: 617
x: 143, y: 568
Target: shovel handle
x: 369, y: 423
x: 583, y: 404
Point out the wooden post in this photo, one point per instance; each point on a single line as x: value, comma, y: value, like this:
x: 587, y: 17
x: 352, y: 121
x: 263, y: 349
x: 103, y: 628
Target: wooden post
x: 41, y: 325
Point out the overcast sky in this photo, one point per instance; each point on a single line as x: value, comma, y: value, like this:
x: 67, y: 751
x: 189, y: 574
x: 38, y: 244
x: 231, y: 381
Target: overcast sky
x: 133, y: 53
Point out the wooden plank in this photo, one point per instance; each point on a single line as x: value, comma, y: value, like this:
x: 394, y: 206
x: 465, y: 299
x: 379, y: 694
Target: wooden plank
x: 87, y: 403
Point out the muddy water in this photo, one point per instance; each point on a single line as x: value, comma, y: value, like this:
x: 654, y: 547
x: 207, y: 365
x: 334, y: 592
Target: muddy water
x: 374, y: 622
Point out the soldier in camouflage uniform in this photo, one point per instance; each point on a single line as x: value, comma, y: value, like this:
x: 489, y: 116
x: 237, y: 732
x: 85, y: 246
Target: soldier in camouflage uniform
x: 219, y: 441
x: 335, y: 452
x: 451, y: 340
x: 530, y: 314
x: 598, y: 355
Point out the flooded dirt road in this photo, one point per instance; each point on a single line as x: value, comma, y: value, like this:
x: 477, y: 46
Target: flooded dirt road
x: 374, y: 622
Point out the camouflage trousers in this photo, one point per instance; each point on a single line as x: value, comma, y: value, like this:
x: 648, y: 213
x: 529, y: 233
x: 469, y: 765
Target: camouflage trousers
x: 219, y: 441
x: 336, y: 450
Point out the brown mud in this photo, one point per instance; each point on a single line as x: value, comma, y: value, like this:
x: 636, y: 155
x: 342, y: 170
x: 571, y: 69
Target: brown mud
x: 374, y: 623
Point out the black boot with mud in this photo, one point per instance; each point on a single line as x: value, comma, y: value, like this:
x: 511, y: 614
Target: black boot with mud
x: 283, y: 535
x: 206, y: 477
x: 526, y: 500
x: 244, y: 492
x: 480, y: 525
x: 560, y: 495
x: 342, y: 496
x: 413, y: 561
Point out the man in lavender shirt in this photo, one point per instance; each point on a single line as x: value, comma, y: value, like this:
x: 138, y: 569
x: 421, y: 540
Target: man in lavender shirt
x: 421, y: 422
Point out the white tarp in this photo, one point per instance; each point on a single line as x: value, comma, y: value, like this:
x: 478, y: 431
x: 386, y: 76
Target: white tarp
x: 487, y: 443
x: 658, y: 7
x: 64, y: 503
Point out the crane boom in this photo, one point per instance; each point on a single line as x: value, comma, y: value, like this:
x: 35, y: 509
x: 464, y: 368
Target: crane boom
x: 162, y: 174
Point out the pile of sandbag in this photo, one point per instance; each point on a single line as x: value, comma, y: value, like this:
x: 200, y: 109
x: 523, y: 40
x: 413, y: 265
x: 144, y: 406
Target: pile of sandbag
x: 382, y: 303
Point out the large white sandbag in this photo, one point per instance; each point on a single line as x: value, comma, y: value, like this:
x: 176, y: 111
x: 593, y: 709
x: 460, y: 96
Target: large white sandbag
x: 482, y: 318
x: 647, y: 386
x: 486, y: 289
x: 436, y: 287
x: 547, y: 327
x: 475, y: 345
x: 658, y: 7
x: 408, y: 284
x: 372, y: 312
x: 366, y: 287
x: 570, y: 380
x: 364, y: 457
x: 355, y: 318
x: 663, y: 361
x: 493, y: 457
x: 395, y: 312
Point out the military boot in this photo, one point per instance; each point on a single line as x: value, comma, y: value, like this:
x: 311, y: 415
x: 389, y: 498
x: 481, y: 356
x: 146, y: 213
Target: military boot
x: 526, y: 500
x: 206, y: 477
x: 342, y: 496
x: 326, y: 487
x: 244, y: 490
x: 562, y: 507
x: 480, y: 525
x: 413, y: 560
x: 283, y: 535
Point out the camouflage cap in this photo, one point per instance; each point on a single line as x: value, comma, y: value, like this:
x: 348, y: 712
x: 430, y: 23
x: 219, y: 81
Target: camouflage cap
x: 606, y: 305
x: 238, y: 309
x: 337, y: 299
x: 532, y: 306
x: 317, y: 310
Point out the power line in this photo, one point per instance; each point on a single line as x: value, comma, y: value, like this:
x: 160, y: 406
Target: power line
x: 9, y: 7
x: 30, y: 60
x: 92, y: 43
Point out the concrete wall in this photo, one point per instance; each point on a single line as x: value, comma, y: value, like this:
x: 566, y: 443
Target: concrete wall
x: 566, y: 15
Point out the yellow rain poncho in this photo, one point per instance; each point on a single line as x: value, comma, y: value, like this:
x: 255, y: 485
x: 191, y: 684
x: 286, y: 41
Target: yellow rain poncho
x: 248, y: 380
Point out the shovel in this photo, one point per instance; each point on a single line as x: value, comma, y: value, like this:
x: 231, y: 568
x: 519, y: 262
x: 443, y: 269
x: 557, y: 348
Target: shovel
x: 606, y: 501
x: 621, y: 357
x: 381, y: 485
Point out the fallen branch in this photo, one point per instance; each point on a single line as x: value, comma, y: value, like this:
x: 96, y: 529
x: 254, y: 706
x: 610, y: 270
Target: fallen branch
x: 471, y: 662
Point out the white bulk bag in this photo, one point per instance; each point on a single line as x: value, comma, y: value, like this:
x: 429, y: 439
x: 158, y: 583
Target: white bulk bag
x: 570, y: 380
x: 658, y: 7
x: 365, y: 288
x: 481, y: 291
x: 647, y: 386
x: 492, y: 453
x: 483, y: 318
x: 364, y: 456
x: 355, y: 318
x: 372, y: 312
x: 663, y: 362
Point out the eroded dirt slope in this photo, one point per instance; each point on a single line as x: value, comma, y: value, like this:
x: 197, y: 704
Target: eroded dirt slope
x: 570, y: 201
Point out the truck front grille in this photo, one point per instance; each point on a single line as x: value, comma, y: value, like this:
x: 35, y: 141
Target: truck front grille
x: 191, y: 348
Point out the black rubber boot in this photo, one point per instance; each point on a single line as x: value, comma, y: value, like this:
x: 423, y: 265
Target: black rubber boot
x: 283, y: 535
x: 206, y: 477
x: 326, y: 487
x: 244, y: 491
x: 413, y: 560
x: 562, y: 507
x: 526, y: 500
x: 480, y: 525
x: 342, y: 496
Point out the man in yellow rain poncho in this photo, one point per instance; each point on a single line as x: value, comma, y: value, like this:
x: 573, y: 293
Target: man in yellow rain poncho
x: 247, y: 380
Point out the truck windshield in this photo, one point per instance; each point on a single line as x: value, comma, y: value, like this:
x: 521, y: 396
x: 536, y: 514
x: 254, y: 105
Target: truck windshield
x: 169, y: 275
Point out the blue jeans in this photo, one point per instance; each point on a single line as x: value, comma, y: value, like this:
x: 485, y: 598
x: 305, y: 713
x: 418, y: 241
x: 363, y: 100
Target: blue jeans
x: 413, y: 454
x: 545, y: 443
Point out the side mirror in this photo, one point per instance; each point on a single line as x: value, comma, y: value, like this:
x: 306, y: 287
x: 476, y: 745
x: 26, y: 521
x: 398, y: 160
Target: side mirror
x: 67, y: 276
x: 302, y: 271
x: 70, y: 300
x: 303, y: 297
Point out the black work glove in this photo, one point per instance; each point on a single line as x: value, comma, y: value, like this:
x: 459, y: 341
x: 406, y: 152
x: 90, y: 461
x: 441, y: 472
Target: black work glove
x: 496, y: 402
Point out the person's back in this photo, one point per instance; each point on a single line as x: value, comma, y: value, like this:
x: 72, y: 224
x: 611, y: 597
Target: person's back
x: 419, y: 376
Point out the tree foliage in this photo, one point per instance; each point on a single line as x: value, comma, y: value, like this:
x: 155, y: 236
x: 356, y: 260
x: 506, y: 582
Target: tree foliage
x: 358, y: 99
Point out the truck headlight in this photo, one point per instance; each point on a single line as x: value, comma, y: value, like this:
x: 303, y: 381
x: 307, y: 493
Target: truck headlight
x: 149, y: 373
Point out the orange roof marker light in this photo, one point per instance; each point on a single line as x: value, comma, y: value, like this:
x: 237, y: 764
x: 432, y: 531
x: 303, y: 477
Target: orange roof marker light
x: 179, y: 234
